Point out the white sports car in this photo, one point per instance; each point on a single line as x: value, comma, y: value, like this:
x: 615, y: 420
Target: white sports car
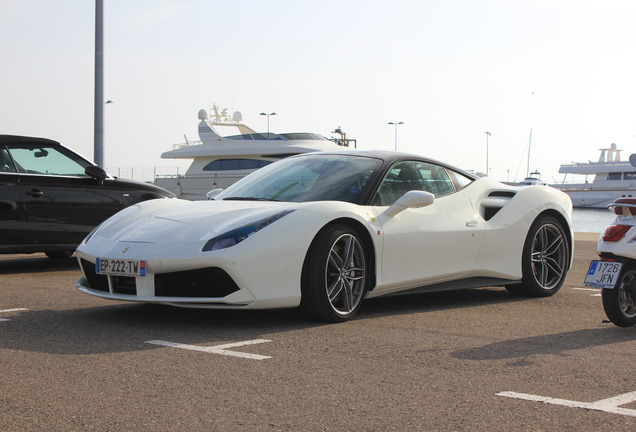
x: 323, y: 231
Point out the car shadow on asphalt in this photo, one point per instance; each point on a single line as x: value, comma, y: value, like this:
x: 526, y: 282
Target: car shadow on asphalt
x: 422, y: 302
x: 37, y: 263
x: 555, y: 344
x: 122, y: 327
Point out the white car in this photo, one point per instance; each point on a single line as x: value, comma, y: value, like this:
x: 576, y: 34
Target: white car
x: 323, y: 231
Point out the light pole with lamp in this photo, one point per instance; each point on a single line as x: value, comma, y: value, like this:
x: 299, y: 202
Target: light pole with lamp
x: 396, y: 125
x: 270, y: 114
x: 487, y: 135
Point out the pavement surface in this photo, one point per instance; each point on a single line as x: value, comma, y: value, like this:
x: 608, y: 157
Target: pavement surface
x: 475, y: 360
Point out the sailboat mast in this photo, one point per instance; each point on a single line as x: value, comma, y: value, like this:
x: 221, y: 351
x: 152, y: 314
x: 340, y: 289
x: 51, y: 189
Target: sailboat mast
x: 529, y: 144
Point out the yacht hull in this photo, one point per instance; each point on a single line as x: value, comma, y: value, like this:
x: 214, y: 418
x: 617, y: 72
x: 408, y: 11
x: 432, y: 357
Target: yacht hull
x: 596, y: 198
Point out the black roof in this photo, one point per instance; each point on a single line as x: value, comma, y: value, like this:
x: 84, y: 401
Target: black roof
x: 17, y: 139
x: 392, y: 156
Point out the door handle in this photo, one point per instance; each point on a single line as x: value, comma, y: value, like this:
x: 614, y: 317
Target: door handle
x: 472, y: 223
x: 34, y: 193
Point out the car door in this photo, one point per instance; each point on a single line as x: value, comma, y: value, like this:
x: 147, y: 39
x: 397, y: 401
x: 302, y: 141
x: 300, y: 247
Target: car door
x: 14, y: 230
x: 435, y: 243
x: 62, y: 203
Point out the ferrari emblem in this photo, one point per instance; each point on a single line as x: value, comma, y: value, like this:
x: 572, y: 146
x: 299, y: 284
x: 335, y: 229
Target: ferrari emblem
x: 125, y: 249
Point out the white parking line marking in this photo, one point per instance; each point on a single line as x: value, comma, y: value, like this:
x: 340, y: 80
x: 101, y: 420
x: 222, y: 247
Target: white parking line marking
x: 596, y: 291
x: 11, y: 310
x: 610, y: 405
x: 218, y: 349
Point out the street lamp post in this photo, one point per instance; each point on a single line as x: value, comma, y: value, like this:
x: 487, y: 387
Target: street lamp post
x: 98, y: 142
x: 396, y: 125
x: 270, y: 114
x: 487, y: 135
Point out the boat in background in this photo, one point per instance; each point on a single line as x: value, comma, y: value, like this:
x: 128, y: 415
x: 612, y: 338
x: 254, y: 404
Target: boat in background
x: 220, y: 160
x: 533, y: 179
x: 613, y: 178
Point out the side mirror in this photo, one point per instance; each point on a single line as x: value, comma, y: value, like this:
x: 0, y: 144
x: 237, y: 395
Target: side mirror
x: 213, y: 193
x: 411, y: 199
x: 96, y: 172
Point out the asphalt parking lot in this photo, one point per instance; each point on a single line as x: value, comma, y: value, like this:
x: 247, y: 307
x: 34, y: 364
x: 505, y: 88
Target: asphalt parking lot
x: 476, y: 360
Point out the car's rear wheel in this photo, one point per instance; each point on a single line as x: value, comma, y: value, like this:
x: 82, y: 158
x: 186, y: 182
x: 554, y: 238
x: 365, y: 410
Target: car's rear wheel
x: 620, y: 302
x: 59, y: 254
x: 545, y: 259
x: 334, y: 275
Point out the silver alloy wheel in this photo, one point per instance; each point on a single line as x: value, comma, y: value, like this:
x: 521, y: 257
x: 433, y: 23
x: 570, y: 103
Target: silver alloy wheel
x: 549, y: 256
x: 345, y: 274
x: 627, y: 295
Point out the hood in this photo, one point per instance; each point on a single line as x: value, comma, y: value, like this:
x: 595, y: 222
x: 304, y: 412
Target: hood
x: 135, y: 185
x: 178, y: 220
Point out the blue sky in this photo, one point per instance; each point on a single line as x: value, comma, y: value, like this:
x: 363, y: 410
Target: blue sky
x: 448, y: 69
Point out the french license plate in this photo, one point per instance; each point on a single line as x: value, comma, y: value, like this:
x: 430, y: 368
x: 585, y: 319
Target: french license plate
x: 603, y: 274
x: 120, y: 267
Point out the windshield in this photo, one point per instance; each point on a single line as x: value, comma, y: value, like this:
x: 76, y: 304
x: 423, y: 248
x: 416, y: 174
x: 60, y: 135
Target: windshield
x: 307, y: 178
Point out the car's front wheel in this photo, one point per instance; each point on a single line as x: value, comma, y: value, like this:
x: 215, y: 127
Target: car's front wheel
x: 334, y: 275
x: 545, y: 259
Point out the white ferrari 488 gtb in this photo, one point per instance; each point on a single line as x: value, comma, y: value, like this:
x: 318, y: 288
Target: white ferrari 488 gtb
x: 323, y: 231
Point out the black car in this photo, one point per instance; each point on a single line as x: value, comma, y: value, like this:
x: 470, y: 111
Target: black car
x: 51, y: 198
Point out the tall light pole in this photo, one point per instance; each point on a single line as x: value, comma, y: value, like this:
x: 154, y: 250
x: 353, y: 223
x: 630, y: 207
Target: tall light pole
x: 98, y: 143
x: 396, y: 125
x: 487, y: 136
x: 270, y: 114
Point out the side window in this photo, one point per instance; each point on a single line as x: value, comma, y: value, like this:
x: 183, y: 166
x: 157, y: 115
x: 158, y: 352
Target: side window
x: 47, y: 160
x: 436, y: 179
x: 413, y: 175
x: 6, y: 164
x: 460, y: 180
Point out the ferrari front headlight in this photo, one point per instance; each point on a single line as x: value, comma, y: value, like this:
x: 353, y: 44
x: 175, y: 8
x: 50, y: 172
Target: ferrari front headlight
x: 237, y: 235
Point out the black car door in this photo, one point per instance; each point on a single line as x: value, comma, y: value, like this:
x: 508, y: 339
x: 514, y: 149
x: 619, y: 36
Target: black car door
x: 62, y: 203
x: 14, y: 230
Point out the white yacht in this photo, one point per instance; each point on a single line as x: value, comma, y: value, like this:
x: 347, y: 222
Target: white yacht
x: 219, y: 160
x: 612, y: 178
x: 533, y: 179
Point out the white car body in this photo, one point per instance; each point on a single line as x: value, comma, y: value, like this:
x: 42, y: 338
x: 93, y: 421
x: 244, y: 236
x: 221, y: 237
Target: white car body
x: 455, y: 242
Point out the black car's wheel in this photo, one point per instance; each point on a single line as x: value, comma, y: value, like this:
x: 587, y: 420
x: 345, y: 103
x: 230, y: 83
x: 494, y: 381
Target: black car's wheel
x: 620, y: 302
x: 59, y: 254
x: 334, y: 275
x: 545, y: 259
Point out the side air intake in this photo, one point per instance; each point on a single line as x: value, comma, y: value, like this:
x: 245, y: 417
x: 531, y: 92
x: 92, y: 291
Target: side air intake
x: 495, y: 201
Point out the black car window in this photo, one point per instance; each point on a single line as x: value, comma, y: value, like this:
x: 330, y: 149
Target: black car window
x: 6, y: 164
x: 48, y: 160
x: 413, y: 175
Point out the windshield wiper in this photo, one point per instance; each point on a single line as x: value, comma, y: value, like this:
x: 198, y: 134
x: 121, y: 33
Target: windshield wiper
x: 238, y: 198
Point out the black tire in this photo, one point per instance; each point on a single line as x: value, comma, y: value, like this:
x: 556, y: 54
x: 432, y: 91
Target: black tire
x: 620, y: 302
x: 545, y: 259
x: 59, y: 254
x: 334, y: 275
